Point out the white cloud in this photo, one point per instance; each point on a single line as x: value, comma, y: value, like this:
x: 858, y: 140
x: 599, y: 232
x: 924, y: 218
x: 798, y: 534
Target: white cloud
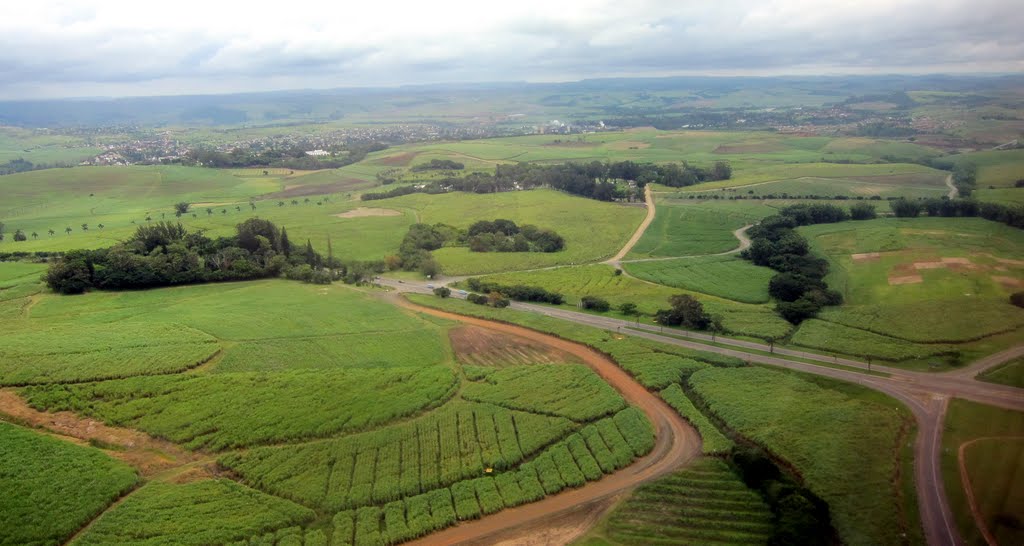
x: 69, y: 48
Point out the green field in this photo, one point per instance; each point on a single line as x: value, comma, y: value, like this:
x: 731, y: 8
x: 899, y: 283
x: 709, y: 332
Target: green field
x: 900, y: 278
x: 51, y: 488
x: 851, y: 466
x: 682, y: 228
x: 1010, y: 373
x: 706, y: 503
x: 993, y: 448
x: 727, y: 277
x: 203, y: 512
x: 600, y: 280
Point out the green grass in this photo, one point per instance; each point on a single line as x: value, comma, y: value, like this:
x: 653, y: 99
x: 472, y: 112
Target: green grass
x: 19, y: 280
x: 1010, y: 373
x: 683, y: 228
x: 261, y: 326
x: 600, y: 280
x: 229, y: 410
x: 727, y: 277
x: 28, y: 354
x: 713, y: 441
x: 744, y: 179
x: 995, y: 467
x: 845, y: 443
x: 51, y: 488
x: 203, y: 512
x: 836, y: 338
x: 572, y: 391
x: 572, y: 217
x: 978, y: 288
x: 703, y: 504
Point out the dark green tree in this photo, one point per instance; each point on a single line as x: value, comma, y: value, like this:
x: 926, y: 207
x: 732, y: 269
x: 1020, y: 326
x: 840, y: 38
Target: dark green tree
x: 181, y: 208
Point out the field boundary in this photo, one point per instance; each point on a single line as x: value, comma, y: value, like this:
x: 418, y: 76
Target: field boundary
x: 965, y: 480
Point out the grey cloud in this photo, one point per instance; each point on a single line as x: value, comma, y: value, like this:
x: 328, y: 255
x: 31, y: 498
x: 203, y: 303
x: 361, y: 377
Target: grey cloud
x: 76, y: 48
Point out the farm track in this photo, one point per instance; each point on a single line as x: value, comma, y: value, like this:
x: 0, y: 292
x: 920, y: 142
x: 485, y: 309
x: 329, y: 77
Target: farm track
x: 649, y: 200
x: 676, y: 444
x: 925, y: 395
x: 953, y: 192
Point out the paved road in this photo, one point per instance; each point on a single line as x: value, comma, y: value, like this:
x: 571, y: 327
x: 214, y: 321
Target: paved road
x: 926, y: 395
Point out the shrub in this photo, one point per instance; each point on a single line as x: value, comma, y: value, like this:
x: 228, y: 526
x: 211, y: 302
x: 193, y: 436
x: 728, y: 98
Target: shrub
x: 442, y: 292
x: 595, y: 303
x: 903, y: 208
x: 1017, y: 298
x: 863, y: 211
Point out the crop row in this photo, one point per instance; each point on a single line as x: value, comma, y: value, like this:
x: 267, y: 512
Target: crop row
x: 569, y: 463
x: 723, y: 276
x: 457, y: 442
x: 230, y: 410
x: 686, y: 508
x: 713, y: 440
x: 566, y: 390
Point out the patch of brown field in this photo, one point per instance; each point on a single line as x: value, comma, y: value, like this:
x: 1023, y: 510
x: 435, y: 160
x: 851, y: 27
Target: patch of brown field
x: 903, y: 270
x: 1008, y: 282
x: 195, y: 474
x: 963, y: 261
x: 149, y: 455
x: 363, y: 212
x: 397, y: 160
x: 628, y: 145
x: 750, y: 148
x: 929, y: 265
x: 484, y: 347
x: 1000, y: 268
x: 867, y: 190
x: 305, y: 190
x: 907, y: 279
x: 1008, y: 261
x: 909, y: 231
x: 866, y: 256
x: 199, y: 205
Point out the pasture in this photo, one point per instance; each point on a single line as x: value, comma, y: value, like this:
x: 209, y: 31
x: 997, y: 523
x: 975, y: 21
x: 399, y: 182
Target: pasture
x: 1010, y: 373
x: 850, y: 466
x: 900, y: 278
x: 702, y: 504
x: 989, y: 444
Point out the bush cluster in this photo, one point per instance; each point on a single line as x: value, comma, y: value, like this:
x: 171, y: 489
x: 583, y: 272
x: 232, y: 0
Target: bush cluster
x: 506, y: 236
x: 1011, y: 215
x: 517, y: 292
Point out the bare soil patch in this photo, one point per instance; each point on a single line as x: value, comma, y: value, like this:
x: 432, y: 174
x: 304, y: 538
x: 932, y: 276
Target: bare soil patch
x: 363, y: 212
x: 149, y: 455
x: 962, y: 261
x: 866, y: 256
x: 929, y: 265
x: 1009, y: 282
x: 398, y: 160
x: 303, y: 190
x: 485, y: 347
x: 906, y: 279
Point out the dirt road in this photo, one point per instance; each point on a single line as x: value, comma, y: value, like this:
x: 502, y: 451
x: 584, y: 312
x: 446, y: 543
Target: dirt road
x: 953, y: 191
x: 925, y: 394
x: 649, y: 199
x: 676, y: 444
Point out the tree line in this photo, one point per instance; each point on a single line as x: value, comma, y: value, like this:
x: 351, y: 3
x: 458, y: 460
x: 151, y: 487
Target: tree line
x: 166, y: 254
x: 594, y: 180
x: 799, y: 285
x: 287, y: 158
x: 1011, y: 215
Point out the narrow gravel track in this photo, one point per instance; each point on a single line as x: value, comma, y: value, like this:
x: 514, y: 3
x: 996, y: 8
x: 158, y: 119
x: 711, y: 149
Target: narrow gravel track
x: 676, y: 443
x: 649, y: 199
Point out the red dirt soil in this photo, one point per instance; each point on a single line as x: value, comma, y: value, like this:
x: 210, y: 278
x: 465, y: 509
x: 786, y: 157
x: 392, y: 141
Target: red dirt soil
x: 676, y: 444
x: 486, y: 347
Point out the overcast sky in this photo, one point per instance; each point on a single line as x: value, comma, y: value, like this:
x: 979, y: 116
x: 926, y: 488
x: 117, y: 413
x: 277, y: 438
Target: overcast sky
x: 73, y: 48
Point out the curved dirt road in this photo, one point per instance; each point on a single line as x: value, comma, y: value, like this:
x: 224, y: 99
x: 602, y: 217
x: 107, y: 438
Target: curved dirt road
x: 676, y: 443
x: 953, y: 191
x: 649, y: 199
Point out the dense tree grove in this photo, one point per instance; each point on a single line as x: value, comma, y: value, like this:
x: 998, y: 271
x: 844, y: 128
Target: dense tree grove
x: 1011, y: 215
x: 685, y: 311
x: 288, y: 158
x: 165, y: 253
x: 438, y: 165
x: 799, y: 286
x: 594, y: 180
x: 517, y: 292
x: 483, y: 236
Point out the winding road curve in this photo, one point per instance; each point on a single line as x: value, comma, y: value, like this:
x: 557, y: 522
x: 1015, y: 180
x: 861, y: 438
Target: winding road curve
x: 649, y: 200
x: 925, y: 395
x: 676, y: 443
